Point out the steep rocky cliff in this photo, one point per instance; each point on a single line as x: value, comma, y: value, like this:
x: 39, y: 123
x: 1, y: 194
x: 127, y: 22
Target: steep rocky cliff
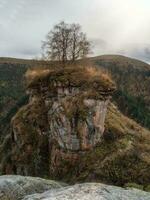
x: 70, y: 131
x: 63, y: 119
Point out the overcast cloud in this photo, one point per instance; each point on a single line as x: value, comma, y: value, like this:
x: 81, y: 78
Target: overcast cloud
x: 114, y: 26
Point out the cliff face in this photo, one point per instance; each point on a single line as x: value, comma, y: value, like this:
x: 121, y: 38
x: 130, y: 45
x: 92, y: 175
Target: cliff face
x: 69, y: 131
x: 65, y: 117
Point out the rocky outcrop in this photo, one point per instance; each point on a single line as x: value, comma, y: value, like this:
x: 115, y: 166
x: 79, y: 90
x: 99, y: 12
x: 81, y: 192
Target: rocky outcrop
x: 69, y: 131
x: 90, y: 191
x: 17, y: 187
x: 29, y: 188
x: 65, y: 117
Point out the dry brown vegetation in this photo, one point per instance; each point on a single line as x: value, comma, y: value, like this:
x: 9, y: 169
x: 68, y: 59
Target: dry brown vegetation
x: 88, y: 76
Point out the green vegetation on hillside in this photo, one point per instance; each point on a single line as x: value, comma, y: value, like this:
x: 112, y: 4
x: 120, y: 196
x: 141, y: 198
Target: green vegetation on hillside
x: 11, y: 86
x: 133, y: 106
x: 6, y: 119
x: 133, y: 80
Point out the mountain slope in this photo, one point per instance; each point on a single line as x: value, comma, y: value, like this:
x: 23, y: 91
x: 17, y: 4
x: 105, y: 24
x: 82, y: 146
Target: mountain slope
x: 133, y: 79
x: 12, y: 72
x: 121, y: 158
x: 56, y: 117
x: 11, y: 85
x: 12, y: 88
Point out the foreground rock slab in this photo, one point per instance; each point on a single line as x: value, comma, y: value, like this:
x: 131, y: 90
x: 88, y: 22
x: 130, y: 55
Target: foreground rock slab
x: 17, y: 187
x: 30, y: 188
x: 91, y: 191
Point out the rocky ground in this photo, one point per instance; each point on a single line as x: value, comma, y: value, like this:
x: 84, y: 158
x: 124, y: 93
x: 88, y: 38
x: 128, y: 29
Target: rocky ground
x: 17, y: 187
x: 29, y: 188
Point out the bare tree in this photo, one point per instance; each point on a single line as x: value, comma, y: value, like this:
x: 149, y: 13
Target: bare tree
x: 66, y: 42
x: 79, y: 45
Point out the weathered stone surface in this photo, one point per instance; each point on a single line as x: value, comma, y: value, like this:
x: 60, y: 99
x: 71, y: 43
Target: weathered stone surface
x: 90, y: 191
x: 29, y: 188
x: 77, y: 125
x: 17, y: 187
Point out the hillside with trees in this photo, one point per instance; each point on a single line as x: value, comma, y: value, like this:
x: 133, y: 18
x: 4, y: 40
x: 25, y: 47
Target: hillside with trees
x: 133, y: 79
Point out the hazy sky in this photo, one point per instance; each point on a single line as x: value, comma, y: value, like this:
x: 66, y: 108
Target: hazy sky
x: 114, y: 26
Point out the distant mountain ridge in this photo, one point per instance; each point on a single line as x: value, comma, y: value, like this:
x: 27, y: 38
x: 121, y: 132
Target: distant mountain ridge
x: 123, y: 59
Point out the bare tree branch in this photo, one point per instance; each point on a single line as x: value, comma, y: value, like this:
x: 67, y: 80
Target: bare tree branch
x: 65, y: 42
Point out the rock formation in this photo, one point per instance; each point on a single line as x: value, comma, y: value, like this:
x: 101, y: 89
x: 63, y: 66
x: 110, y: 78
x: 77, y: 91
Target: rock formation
x: 63, y: 119
x: 17, y: 187
x: 88, y: 191
x: 29, y: 188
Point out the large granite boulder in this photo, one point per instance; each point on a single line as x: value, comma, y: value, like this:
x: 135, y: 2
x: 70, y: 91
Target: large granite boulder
x: 17, y: 187
x: 88, y: 191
